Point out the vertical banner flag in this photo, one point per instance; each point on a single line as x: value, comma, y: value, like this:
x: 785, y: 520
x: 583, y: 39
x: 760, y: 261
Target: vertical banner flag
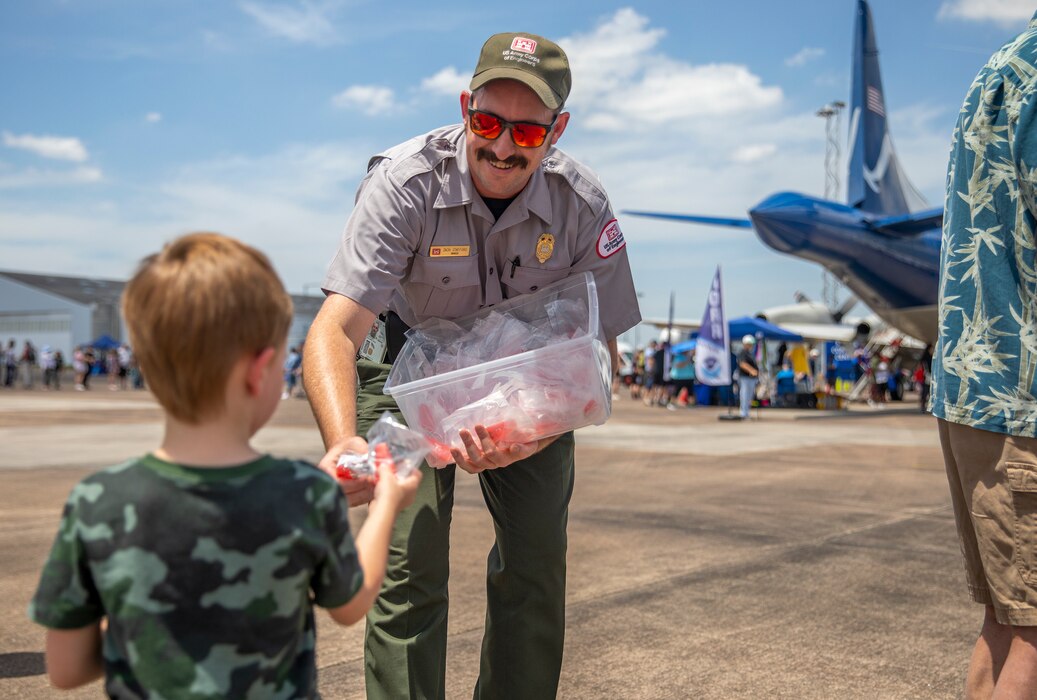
x: 713, y: 349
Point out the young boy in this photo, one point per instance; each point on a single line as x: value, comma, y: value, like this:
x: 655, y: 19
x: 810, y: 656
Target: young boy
x: 204, y: 556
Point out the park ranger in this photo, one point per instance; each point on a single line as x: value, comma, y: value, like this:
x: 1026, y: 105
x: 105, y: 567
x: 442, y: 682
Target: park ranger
x: 444, y: 225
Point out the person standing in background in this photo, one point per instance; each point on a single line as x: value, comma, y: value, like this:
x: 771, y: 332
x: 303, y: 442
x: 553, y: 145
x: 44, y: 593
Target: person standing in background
x: 748, y: 375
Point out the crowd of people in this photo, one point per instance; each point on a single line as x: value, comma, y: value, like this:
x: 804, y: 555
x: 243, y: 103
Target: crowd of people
x: 661, y: 377
x: 47, y: 368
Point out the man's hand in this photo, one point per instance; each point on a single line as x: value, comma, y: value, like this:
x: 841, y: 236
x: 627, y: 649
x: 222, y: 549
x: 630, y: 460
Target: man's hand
x: 481, y: 452
x: 358, y: 491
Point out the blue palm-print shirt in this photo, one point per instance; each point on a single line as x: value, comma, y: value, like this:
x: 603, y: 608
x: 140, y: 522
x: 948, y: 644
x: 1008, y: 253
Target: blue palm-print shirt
x: 986, y: 355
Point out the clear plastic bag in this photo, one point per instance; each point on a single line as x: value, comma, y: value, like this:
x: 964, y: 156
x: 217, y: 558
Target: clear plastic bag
x: 407, y: 448
x: 531, y: 367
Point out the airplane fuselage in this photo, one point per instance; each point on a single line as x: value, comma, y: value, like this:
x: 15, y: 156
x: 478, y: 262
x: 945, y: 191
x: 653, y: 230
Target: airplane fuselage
x: 896, y: 275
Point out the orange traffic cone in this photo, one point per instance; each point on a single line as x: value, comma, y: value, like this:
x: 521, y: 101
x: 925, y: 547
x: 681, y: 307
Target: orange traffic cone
x: 682, y: 397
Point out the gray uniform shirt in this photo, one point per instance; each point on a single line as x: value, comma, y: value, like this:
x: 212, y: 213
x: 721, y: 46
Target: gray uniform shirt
x: 422, y: 242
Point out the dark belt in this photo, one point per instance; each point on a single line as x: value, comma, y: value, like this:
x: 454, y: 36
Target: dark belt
x: 395, y: 335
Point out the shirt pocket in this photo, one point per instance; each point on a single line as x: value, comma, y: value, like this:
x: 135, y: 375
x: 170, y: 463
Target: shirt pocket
x: 1022, y: 479
x: 443, y: 287
x: 526, y: 280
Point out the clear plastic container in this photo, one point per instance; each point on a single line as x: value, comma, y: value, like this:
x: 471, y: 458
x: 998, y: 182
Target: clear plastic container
x: 530, y: 367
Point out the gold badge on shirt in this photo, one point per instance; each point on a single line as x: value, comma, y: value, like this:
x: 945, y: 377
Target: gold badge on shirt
x: 545, y: 247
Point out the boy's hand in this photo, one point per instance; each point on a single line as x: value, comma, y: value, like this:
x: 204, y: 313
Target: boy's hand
x: 482, y: 452
x: 390, y: 488
x: 358, y: 491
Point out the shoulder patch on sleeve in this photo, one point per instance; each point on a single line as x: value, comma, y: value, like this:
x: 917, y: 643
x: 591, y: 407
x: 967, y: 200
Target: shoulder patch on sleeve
x: 610, y: 240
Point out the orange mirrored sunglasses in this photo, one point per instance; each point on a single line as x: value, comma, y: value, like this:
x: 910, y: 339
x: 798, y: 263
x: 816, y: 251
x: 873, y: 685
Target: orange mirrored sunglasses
x: 524, y: 134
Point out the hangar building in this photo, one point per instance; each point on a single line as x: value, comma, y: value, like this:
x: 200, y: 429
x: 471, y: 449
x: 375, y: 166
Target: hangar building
x: 65, y: 312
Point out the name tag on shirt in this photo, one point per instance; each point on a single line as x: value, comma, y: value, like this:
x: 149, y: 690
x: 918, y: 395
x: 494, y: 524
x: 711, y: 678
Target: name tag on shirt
x: 448, y: 251
x: 374, y: 345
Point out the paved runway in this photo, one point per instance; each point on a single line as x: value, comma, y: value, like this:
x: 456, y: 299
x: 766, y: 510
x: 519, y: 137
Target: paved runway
x: 799, y: 555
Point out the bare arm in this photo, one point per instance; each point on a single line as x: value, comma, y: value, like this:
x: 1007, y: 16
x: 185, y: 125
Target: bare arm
x: 372, y: 549
x: 748, y: 369
x: 372, y: 542
x: 329, y: 375
x: 74, y: 656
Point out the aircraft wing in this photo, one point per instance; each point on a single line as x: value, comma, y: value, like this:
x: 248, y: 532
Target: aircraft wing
x: 685, y: 325
x: 689, y: 218
x: 839, y: 332
x: 909, y: 224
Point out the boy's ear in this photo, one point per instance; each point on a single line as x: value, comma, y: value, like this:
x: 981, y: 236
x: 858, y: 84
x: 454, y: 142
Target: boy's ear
x: 258, y: 367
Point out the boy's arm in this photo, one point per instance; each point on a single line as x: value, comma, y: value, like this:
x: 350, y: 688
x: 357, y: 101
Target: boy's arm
x: 372, y: 549
x: 74, y: 656
x: 391, y: 495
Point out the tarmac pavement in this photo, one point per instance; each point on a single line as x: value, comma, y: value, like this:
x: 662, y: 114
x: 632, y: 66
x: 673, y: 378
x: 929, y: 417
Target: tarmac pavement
x: 801, y: 554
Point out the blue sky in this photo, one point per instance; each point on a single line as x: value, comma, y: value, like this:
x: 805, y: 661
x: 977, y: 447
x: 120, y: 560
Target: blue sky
x: 125, y: 123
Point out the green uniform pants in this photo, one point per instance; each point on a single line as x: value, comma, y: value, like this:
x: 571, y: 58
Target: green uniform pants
x: 525, y: 579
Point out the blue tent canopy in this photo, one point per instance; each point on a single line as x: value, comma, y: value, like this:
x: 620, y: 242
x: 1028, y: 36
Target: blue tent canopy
x: 758, y: 328
x: 105, y: 342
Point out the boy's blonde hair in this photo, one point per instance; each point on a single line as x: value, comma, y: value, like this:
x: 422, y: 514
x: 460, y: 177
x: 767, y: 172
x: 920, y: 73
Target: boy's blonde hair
x: 193, y: 310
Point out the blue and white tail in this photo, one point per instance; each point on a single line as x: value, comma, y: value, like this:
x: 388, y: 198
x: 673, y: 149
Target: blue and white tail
x: 876, y: 183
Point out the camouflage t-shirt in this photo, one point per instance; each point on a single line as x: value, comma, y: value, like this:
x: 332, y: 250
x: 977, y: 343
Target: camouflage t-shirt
x: 208, y: 576
x: 985, y: 362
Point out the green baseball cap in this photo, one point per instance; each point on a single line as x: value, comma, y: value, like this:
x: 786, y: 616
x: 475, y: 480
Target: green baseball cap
x: 530, y: 59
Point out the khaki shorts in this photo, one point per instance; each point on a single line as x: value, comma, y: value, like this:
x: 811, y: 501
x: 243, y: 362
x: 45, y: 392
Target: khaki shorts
x: 993, y: 480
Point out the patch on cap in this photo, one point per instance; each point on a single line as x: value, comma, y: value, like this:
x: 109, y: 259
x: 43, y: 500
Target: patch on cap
x: 523, y: 44
x: 610, y: 240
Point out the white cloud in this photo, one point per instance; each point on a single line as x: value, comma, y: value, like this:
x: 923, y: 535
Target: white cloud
x: 675, y: 94
x: 290, y: 203
x: 372, y: 100
x: 624, y: 81
x: 55, y: 147
x: 32, y: 177
x: 153, y: 117
x: 446, y: 82
x: 304, y: 22
x: 751, y: 153
x: 1003, y: 12
x: 803, y: 56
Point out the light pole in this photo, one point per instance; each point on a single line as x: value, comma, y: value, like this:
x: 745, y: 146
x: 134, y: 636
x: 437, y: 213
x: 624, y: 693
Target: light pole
x: 831, y: 114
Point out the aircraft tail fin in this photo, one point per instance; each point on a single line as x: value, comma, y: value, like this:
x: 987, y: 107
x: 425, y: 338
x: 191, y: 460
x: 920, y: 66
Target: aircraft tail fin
x: 876, y: 183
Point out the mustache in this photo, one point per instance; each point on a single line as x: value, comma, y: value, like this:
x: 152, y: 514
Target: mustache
x: 487, y: 154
